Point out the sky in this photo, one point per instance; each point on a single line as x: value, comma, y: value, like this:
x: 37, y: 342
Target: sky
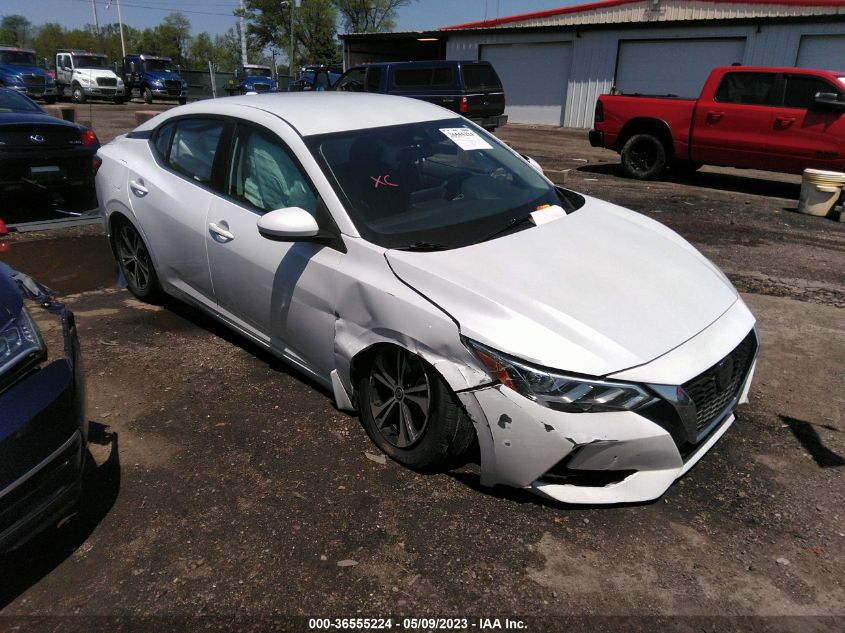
x: 215, y: 16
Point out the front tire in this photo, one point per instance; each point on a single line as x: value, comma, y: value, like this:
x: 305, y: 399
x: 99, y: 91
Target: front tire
x: 183, y: 100
x: 643, y: 157
x: 409, y: 411
x: 147, y: 94
x: 77, y: 94
x: 135, y: 262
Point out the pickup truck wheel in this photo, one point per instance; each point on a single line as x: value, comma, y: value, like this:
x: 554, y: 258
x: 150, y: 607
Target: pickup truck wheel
x: 643, y: 157
x: 77, y: 94
x: 147, y: 94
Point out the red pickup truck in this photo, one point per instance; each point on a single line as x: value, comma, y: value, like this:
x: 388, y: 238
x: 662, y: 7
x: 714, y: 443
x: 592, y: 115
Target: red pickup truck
x: 778, y: 119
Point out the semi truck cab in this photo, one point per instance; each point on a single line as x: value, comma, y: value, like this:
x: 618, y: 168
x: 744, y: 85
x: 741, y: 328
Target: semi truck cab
x: 252, y: 78
x: 154, y: 77
x: 82, y: 75
x: 19, y: 70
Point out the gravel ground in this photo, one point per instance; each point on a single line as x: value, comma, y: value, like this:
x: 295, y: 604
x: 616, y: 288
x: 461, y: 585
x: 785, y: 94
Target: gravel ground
x: 225, y: 485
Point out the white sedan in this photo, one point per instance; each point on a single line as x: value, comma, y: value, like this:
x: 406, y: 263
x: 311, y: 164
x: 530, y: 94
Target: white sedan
x: 438, y: 284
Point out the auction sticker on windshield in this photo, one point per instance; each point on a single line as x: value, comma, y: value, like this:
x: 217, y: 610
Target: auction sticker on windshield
x: 465, y: 138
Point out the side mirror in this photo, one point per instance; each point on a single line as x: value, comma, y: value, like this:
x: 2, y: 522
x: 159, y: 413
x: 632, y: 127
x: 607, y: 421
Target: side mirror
x: 534, y: 164
x: 830, y: 101
x: 292, y: 223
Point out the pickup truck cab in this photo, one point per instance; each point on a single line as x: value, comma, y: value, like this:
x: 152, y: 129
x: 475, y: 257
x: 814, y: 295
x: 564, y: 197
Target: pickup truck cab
x: 775, y: 119
x: 81, y: 75
x: 154, y: 77
x: 470, y: 88
x: 251, y: 78
x: 19, y: 70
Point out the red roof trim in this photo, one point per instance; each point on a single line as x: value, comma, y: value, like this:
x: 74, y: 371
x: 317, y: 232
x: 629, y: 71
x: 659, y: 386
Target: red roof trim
x: 605, y: 4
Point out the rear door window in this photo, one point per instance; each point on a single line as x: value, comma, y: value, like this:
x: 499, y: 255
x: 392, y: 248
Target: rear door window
x: 194, y: 146
x: 747, y: 88
x: 800, y: 90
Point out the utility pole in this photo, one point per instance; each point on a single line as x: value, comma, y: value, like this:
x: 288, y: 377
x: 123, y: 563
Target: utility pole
x: 292, y: 4
x: 96, y: 21
x: 243, y: 34
x: 120, y: 23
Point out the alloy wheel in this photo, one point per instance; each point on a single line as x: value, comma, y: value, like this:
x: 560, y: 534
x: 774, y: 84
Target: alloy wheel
x: 134, y: 258
x: 399, y: 396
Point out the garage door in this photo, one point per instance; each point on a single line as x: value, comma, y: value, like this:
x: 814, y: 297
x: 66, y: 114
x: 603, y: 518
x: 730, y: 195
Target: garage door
x: 534, y: 77
x: 822, y: 51
x: 673, y: 67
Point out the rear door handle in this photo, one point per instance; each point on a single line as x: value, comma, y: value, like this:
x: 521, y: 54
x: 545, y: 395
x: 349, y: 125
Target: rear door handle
x: 218, y: 230
x: 715, y: 115
x: 138, y: 188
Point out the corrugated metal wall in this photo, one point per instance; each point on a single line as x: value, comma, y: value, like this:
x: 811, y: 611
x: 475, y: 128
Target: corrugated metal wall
x: 595, y: 52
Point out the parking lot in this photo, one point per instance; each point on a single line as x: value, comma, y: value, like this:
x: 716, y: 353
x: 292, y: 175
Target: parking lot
x: 224, y: 483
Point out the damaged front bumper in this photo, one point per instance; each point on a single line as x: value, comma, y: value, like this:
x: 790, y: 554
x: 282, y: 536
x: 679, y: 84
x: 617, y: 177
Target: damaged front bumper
x: 602, y: 457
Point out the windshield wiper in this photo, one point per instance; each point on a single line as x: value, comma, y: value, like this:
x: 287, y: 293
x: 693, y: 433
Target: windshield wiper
x: 423, y: 246
x: 511, y: 224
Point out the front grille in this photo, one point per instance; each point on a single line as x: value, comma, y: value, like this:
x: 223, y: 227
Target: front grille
x: 715, y: 388
x: 172, y: 83
x: 34, y: 81
x: 262, y: 87
x: 107, y: 81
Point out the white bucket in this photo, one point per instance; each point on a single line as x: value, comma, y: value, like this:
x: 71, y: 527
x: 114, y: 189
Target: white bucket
x: 819, y: 191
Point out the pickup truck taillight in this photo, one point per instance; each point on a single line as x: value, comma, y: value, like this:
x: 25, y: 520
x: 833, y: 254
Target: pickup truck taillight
x: 599, y: 112
x: 464, y: 107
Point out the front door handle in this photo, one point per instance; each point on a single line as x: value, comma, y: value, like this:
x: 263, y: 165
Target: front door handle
x: 221, y: 232
x: 138, y: 188
x: 715, y: 115
x: 784, y: 121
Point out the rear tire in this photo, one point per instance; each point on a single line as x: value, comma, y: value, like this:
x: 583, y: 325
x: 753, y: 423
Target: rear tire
x: 643, y: 157
x: 135, y: 262
x: 410, y: 413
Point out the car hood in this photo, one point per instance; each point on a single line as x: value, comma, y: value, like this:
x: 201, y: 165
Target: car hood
x: 93, y: 73
x: 600, y: 290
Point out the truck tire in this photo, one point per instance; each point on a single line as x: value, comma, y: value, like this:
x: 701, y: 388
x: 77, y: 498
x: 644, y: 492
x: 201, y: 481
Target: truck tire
x: 147, y: 94
x: 643, y: 157
x: 77, y: 94
x: 183, y: 100
x: 50, y: 100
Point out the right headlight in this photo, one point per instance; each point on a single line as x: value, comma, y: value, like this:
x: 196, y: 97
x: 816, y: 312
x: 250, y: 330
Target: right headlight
x: 18, y: 339
x: 558, y: 391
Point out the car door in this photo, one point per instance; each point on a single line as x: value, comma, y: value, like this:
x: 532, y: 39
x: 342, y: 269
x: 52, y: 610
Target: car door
x: 170, y: 194
x: 804, y: 134
x: 280, y: 293
x: 732, y: 127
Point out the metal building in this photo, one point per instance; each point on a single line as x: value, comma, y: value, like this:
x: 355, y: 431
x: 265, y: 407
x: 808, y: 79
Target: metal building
x: 555, y: 63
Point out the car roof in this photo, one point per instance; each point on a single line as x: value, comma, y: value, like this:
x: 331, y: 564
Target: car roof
x: 311, y: 113
x: 433, y: 63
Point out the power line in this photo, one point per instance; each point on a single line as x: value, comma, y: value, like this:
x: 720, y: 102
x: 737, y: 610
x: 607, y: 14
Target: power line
x: 169, y: 9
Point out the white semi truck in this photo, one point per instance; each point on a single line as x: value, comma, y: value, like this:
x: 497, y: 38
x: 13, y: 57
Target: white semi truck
x: 81, y: 75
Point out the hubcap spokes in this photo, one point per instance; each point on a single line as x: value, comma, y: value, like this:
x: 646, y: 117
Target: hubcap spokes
x: 133, y: 257
x: 400, y: 396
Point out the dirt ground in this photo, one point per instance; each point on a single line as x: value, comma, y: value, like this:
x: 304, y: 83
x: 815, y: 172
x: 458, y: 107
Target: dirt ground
x: 227, y: 485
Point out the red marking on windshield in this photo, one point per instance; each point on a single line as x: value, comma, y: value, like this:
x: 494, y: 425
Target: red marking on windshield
x: 383, y: 180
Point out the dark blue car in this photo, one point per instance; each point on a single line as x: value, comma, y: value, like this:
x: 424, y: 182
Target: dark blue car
x: 43, y: 431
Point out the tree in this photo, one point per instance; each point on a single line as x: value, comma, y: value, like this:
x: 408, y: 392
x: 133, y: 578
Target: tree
x: 15, y: 30
x: 314, y: 28
x: 224, y: 51
x: 369, y: 16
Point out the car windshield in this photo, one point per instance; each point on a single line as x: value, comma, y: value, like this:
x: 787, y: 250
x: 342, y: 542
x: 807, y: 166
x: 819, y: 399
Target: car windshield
x: 18, y: 58
x: 257, y: 72
x: 89, y: 61
x: 439, y: 183
x: 158, y: 65
x: 11, y: 101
